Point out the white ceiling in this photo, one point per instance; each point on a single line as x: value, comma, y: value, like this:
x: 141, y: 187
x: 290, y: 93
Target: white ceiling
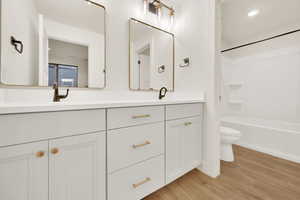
x: 76, y: 13
x: 275, y: 17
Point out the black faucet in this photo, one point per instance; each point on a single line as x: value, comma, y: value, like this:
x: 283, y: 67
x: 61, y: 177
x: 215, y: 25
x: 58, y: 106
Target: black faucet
x: 162, y: 92
x: 58, y: 97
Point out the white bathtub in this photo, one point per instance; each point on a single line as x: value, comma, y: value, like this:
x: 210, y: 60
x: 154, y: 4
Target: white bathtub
x: 280, y: 139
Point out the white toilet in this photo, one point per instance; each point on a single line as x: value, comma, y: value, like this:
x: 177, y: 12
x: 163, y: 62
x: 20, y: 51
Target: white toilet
x: 228, y: 137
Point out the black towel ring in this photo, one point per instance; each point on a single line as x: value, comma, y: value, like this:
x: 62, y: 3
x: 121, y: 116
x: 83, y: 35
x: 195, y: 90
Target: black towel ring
x: 17, y: 44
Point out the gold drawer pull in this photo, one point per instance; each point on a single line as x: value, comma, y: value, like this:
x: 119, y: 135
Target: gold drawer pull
x: 141, y: 183
x: 55, y: 151
x: 188, y: 123
x: 40, y: 154
x: 135, y: 146
x: 140, y: 116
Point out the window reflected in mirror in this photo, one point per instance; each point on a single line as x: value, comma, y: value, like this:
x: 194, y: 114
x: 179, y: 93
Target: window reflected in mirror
x: 63, y: 75
x: 71, y: 62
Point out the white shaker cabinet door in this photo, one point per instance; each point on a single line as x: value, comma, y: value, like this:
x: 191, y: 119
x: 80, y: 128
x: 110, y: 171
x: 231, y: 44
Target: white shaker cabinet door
x: 77, y: 168
x: 24, y: 172
x: 183, y: 146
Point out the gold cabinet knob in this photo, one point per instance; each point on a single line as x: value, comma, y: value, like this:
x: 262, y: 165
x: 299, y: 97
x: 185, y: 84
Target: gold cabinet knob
x: 40, y: 154
x: 55, y: 151
x: 188, y: 123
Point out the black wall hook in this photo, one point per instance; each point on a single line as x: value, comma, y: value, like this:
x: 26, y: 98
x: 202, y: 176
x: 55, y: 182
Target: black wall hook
x: 17, y: 44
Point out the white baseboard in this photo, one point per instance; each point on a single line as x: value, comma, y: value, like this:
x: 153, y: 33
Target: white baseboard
x: 271, y: 152
x: 210, y: 170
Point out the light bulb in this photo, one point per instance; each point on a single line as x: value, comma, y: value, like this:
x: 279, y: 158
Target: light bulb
x: 253, y: 13
x: 88, y: 2
x: 145, y: 6
x: 172, y: 15
x: 159, y: 13
x: 172, y: 20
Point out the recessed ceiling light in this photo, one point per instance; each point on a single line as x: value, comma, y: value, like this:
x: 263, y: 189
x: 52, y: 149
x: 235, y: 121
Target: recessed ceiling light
x: 253, y: 13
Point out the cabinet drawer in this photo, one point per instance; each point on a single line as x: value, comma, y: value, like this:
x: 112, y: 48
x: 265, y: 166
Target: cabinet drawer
x: 138, y: 181
x: 23, y: 128
x: 127, y: 146
x: 124, y: 117
x: 183, y: 111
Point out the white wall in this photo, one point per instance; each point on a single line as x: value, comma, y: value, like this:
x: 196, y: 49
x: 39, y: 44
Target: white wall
x: 194, y: 29
x: 19, y: 69
x: 195, y: 38
x: 43, y: 71
x: 2, y: 96
x: 270, y: 73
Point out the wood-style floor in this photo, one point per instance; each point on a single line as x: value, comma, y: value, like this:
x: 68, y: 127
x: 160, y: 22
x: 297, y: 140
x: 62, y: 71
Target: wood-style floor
x: 253, y: 176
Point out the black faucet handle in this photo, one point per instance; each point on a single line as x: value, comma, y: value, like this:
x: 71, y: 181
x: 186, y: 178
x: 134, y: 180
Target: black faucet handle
x: 64, y: 96
x: 162, y: 92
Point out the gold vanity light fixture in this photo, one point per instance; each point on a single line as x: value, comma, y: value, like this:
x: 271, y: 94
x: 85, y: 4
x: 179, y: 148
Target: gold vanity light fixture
x: 155, y: 7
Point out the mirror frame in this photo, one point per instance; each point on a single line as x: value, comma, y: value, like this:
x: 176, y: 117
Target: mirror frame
x: 4, y: 85
x: 130, y: 37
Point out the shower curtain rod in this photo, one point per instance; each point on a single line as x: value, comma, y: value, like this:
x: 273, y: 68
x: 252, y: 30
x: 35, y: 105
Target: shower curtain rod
x: 259, y: 41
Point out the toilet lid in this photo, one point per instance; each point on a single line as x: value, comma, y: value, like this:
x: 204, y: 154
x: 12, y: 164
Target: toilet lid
x: 229, y: 131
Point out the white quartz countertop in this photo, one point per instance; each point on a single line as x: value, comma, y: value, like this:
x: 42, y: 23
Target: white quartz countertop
x: 15, y: 108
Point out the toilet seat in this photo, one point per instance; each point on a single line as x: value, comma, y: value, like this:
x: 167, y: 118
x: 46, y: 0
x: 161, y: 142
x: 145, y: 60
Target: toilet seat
x: 225, y: 131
